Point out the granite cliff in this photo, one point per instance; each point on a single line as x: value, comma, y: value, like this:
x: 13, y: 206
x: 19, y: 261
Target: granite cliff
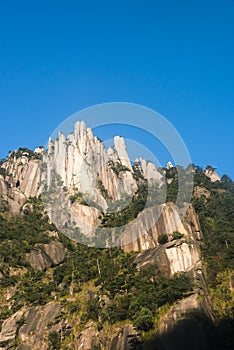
x: 88, y: 184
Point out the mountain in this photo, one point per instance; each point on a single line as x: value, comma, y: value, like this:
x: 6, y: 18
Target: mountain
x: 97, y: 252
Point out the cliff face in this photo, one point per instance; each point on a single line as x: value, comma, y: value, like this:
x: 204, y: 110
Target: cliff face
x: 82, y: 163
x: 73, y: 166
x: 185, y: 327
x: 32, y: 332
x: 80, y: 170
x: 20, y: 180
x: 80, y: 166
x: 155, y: 221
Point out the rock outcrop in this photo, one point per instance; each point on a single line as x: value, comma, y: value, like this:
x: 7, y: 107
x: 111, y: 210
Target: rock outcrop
x: 81, y: 162
x: 144, y: 232
x: 149, y: 171
x: 31, y: 326
x: 122, y: 341
x: 88, y: 339
x: 185, y: 326
x: 210, y: 172
x: 9, y: 328
x: 79, y: 166
x: 82, y: 179
x: 46, y: 255
x: 177, y: 256
x: 21, y: 179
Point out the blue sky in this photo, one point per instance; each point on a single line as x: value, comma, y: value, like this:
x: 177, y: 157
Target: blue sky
x: 58, y: 57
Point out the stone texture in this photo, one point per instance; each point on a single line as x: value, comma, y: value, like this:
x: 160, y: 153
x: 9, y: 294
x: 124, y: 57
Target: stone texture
x: 9, y: 328
x: 21, y: 181
x: 173, y: 257
x: 120, y: 147
x: 24, y: 347
x: 121, y: 340
x: 201, y: 191
x: 182, y: 257
x: 87, y: 339
x: 143, y: 233
x: 185, y: 326
x: 149, y: 171
x: 81, y: 160
x: 34, y: 331
x: 209, y: 172
x: 46, y: 255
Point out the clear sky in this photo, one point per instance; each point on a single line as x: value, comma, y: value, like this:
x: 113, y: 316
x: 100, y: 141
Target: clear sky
x: 175, y: 56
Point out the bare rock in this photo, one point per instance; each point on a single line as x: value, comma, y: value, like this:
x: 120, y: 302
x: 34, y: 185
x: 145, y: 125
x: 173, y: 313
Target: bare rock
x: 185, y: 321
x: 13, y: 271
x: 87, y: 339
x: 81, y: 163
x: 120, y: 147
x: 182, y: 255
x: 20, y: 182
x: 143, y: 233
x: 10, y: 291
x: 38, y: 259
x: 34, y: 331
x: 210, y: 172
x: 149, y: 171
x: 46, y: 255
x: 121, y: 340
x: 24, y: 347
x: 9, y: 328
x: 55, y: 251
x: 201, y: 191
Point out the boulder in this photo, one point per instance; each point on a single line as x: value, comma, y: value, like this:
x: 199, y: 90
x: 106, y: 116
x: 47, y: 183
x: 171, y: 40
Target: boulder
x: 46, y: 255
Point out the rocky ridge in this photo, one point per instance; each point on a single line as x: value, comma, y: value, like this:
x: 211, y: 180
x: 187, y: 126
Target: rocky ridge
x: 81, y: 164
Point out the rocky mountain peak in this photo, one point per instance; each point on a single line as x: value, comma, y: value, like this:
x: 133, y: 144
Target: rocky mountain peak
x: 120, y: 148
x: 211, y: 173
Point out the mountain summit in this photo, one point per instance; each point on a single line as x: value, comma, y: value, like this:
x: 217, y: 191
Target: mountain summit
x: 149, y: 287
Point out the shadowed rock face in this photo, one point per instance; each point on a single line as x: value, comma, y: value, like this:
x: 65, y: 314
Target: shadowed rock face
x: 122, y: 339
x: 188, y: 333
x: 186, y: 326
x: 46, y: 255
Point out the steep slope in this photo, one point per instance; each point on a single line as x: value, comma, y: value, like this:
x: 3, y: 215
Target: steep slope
x: 59, y: 294
x: 20, y: 178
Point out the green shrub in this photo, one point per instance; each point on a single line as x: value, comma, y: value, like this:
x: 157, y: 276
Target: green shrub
x: 162, y: 239
x: 54, y: 340
x: 103, y: 190
x: 143, y: 319
x: 177, y: 235
x: 118, y: 167
x: 73, y: 307
x: 77, y: 197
